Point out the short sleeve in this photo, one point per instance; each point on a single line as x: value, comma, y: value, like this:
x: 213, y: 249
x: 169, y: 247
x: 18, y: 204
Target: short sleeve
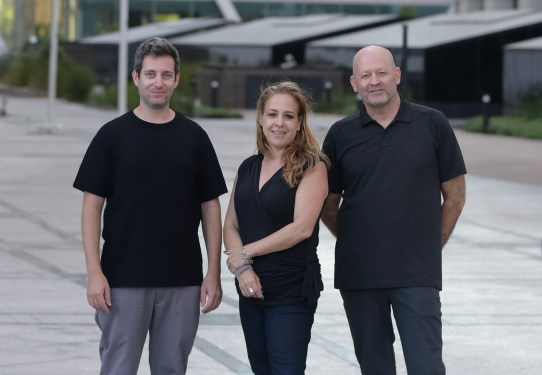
x: 450, y: 158
x: 211, y: 183
x: 329, y: 149
x: 95, y: 173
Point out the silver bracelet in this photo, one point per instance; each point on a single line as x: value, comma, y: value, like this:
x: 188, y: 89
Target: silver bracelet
x: 242, y: 269
x: 245, y: 256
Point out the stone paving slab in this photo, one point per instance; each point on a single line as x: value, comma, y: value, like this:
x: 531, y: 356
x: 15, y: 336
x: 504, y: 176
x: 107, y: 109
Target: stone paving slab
x: 492, y: 297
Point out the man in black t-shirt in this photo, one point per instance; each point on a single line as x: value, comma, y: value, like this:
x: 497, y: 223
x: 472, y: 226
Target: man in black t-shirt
x: 396, y: 190
x: 155, y: 176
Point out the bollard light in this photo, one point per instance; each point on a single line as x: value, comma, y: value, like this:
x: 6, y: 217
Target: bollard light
x: 328, y: 86
x: 214, y: 93
x: 486, y: 99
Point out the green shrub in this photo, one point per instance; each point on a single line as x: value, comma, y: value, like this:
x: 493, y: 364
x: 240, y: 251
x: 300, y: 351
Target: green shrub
x: 212, y: 112
x: 183, y: 104
x: 532, y: 108
x: 26, y: 71
x: 6, y: 61
x: 32, y: 70
x: 341, y: 103
x: 107, y: 96
x: 75, y: 84
x: 516, y: 126
x: 408, y: 12
x: 531, y: 101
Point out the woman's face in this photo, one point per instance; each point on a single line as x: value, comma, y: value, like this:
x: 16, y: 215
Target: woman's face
x: 280, y: 121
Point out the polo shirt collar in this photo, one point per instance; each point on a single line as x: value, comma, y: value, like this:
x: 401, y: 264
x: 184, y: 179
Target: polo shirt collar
x: 402, y: 116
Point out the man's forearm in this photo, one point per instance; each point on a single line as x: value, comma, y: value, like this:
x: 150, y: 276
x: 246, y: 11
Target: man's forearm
x: 212, y: 233
x: 330, y: 213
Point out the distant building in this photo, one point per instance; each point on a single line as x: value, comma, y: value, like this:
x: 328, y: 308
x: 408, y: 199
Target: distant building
x: 453, y: 59
x: 99, y: 53
x: 21, y: 20
x: 522, y: 76
x: 269, y: 40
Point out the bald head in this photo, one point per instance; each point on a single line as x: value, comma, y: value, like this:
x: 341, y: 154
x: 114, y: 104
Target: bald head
x: 373, y: 54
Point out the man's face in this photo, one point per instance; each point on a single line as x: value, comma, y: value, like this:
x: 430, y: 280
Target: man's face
x: 156, y: 81
x: 375, y: 78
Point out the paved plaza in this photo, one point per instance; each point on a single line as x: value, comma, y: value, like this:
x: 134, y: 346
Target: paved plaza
x: 492, y: 296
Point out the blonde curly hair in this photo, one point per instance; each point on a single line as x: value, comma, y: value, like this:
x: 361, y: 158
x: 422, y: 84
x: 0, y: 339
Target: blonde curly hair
x: 304, y: 152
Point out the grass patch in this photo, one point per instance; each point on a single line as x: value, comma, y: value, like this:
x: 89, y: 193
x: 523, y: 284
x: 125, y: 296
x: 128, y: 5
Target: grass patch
x: 212, y: 112
x: 516, y: 126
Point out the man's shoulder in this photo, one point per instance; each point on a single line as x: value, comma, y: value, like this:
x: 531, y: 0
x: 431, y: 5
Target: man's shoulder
x: 114, y: 126
x: 425, y: 111
x: 119, y: 121
x: 188, y: 124
x: 345, y: 122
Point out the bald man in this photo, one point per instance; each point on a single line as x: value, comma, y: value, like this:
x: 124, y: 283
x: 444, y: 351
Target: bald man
x: 397, y: 188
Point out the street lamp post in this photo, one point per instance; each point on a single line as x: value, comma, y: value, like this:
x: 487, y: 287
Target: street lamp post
x: 53, y: 67
x: 214, y: 93
x: 486, y: 99
x: 328, y: 86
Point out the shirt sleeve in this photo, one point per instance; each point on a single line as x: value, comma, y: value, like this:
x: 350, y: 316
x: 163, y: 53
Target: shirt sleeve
x: 450, y: 158
x: 211, y: 183
x: 329, y: 148
x: 94, y: 175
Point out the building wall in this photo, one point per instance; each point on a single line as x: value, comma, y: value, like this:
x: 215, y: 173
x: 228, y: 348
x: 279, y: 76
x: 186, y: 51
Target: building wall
x: 337, y: 57
x: 235, y: 55
x: 499, y: 4
x: 529, y: 4
x: 521, y: 74
x: 240, y: 87
x: 464, y: 6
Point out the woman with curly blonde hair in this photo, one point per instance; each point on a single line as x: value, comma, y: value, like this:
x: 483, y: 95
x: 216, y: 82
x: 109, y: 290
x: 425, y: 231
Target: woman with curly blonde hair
x: 271, y: 232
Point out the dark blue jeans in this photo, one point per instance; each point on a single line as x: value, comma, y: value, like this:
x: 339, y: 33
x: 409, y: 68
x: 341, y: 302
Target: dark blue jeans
x: 277, y: 337
x: 417, y: 314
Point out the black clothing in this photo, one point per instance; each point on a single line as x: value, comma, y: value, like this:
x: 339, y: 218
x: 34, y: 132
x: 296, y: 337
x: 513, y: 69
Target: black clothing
x: 417, y: 314
x: 389, y: 179
x: 289, y: 276
x: 154, y: 178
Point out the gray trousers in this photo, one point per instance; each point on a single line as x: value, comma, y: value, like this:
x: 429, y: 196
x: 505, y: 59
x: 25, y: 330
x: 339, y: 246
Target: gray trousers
x: 169, y: 315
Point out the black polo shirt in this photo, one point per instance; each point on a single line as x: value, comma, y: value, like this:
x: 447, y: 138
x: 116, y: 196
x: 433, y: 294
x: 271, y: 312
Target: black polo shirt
x: 389, y: 179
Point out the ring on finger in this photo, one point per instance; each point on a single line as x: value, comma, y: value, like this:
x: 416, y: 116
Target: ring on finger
x: 250, y: 290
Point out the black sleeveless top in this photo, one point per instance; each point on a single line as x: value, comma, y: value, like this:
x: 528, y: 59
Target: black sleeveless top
x: 288, y: 276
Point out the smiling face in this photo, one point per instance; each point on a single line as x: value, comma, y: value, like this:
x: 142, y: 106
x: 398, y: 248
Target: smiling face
x: 280, y: 121
x: 156, y: 81
x: 375, y: 76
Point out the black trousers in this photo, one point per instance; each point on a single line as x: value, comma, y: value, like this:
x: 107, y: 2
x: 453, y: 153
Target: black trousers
x: 417, y: 313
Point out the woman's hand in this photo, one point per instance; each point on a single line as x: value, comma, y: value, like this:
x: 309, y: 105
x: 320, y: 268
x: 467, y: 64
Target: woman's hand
x: 235, y: 260
x: 249, y: 283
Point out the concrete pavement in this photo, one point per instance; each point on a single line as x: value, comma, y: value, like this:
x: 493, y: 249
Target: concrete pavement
x: 492, y: 299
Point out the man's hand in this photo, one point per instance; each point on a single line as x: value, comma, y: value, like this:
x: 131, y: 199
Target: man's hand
x: 98, y: 292
x: 210, y: 294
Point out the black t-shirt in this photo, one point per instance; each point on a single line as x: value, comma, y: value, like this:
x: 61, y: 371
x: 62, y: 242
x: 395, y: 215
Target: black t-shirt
x: 289, y: 276
x: 154, y: 178
x: 389, y: 179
